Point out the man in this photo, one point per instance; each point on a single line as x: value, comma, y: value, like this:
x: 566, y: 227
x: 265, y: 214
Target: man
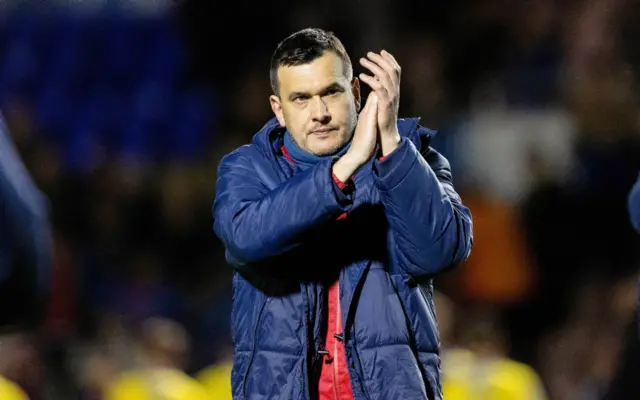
x: 336, y: 224
x: 25, y: 239
x: 25, y: 258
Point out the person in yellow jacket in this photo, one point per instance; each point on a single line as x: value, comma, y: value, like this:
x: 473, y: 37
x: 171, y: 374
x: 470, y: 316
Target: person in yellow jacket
x: 11, y: 391
x: 161, y: 384
x: 162, y: 350
x: 469, y: 376
x: 478, y: 368
x: 217, y: 380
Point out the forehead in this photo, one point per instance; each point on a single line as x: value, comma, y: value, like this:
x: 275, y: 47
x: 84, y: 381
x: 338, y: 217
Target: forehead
x: 314, y: 76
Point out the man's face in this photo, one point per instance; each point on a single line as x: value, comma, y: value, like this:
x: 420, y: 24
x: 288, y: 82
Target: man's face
x: 318, y: 104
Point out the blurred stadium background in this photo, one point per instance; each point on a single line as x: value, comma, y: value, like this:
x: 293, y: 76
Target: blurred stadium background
x: 122, y: 109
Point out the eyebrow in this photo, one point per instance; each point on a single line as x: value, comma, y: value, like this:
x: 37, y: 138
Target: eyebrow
x: 333, y: 86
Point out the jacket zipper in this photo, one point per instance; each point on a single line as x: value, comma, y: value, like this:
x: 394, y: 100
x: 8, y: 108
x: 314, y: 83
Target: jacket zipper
x: 355, y: 357
x: 432, y: 317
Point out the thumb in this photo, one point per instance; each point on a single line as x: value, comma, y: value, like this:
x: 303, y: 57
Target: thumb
x: 372, y: 103
x: 373, y: 98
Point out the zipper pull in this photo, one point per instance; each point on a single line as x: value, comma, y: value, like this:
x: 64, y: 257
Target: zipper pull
x: 323, y: 353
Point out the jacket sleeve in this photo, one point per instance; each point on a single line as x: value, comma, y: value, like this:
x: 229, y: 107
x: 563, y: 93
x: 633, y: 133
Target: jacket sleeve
x: 431, y: 227
x: 256, y: 223
x: 634, y: 205
x: 24, y: 210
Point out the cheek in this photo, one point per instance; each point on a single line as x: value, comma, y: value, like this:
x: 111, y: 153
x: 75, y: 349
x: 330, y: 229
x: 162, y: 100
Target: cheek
x: 344, y: 112
x: 344, y: 106
x: 295, y: 116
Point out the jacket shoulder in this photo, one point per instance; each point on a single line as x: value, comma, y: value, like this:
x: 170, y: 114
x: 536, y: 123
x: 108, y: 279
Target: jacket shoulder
x: 246, y: 164
x: 418, y: 134
x: 242, y: 156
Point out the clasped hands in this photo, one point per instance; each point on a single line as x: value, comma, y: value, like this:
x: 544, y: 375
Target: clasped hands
x: 377, y: 123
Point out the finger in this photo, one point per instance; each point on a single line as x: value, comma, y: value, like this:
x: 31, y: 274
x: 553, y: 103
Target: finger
x: 382, y: 75
x: 391, y: 60
x: 385, y: 64
x: 376, y: 85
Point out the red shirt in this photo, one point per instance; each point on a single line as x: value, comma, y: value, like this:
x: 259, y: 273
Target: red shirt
x: 334, y: 379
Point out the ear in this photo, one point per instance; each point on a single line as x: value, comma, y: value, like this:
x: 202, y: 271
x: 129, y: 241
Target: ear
x: 355, y: 89
x: 276, y: 107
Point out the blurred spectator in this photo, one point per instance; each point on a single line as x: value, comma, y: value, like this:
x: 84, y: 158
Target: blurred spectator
x: 217, y: 377
x: 22, y: 364
x: 161, y: 352
x: 10, y: 391
x: 500, y: 271
x: 498, y: 146
x: 581, y: 357
x: 476, y: 366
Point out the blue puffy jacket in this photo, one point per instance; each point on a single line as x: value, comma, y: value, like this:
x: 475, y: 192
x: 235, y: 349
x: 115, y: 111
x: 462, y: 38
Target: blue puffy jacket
x: 405, y: 224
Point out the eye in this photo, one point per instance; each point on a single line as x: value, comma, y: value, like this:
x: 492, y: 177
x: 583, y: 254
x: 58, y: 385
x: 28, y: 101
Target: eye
x: 300, y: 99
x: 332, y: 92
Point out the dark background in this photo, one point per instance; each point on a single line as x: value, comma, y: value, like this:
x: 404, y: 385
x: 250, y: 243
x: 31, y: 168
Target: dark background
x: 122, y: 114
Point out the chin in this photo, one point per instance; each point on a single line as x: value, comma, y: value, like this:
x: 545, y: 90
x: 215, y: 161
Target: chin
x: 325, y: 146
x: 325, y: 149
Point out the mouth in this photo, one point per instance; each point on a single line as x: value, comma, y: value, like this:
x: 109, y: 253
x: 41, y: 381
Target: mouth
x: 322, y: 131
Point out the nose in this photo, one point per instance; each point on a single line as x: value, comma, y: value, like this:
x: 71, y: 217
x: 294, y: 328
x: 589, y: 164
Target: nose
x: 319, y: 111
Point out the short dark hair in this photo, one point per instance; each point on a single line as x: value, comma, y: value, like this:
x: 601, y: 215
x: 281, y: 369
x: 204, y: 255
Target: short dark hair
x: 303, y: 47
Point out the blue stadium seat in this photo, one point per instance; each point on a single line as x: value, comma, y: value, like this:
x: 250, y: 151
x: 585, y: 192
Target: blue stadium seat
x: 20, y: 68
x: 54, y: 108
x: 104, y: 79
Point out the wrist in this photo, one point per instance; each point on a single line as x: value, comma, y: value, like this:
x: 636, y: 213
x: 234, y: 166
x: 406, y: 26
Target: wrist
x: 389, y: 142
x: 345, y: 167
